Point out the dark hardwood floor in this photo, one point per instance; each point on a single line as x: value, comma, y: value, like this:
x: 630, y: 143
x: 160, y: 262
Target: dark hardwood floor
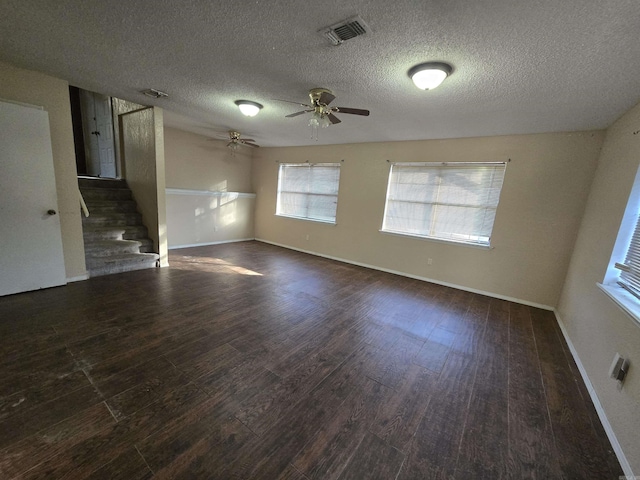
x: 248, y: 361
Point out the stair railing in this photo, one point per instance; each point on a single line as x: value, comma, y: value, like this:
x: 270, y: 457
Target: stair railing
x: 85, y: 210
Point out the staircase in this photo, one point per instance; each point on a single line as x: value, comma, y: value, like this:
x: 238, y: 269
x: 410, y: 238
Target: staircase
x: 115, y: 240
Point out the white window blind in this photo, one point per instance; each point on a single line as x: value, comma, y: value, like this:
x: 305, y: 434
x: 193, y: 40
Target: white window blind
x: 630, y: 269
x: 448, y: 201
x: 308, y: 191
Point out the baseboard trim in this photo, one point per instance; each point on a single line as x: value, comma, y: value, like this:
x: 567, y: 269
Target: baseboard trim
x: 617, y: 448
x: 204, y: 244
x: 415, y: 277
x: 78, y: 278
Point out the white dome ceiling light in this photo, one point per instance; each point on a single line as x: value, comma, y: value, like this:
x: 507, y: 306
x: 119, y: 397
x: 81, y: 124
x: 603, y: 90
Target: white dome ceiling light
x: 248, y: 108
x: 428, y: 76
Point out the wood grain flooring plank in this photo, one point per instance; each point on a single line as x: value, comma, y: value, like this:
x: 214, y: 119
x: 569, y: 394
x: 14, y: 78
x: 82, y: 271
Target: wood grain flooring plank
x: 89, y: 455
x: 349, y: 374
x: 568, y: 412
x: 27, y: 393
x: 484, y: 449
x: 492, y: 377
x: 237, y: 382
x: 373, y: 459
x: 292, y: 473
x: 127, y: 466
x: 452, y: 313
x: 343, y: 342
x: 145, y: 393
x: 269, y: 456
x: 37, y: 368
x: 531, y: 442
x: 134, y: 376
x: 176, y: 450
x: 31, y: 451
x: 432, y: 356
x: 400, y: 414
x: 204, y: 345
x: 136, y: 355
x: 596, y: 424
x: 18, y: 344
x: 302, y: 348
x: 235, y: 375
x: 460, y: 371
x: 327, y: 453
x: 433, y: 452
x: 263, y: 410
x: 45, y: 414
x: 206, y: 362
x: 389, y: 367
x: 207, y: 457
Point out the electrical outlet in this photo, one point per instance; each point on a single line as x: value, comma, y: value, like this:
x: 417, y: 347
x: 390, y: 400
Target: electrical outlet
x: 619, y: 368
x: 429, y: 261
x: 307, y: 237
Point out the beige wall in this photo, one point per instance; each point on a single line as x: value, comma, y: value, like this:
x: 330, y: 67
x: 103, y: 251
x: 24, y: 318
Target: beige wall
x: 199, y: 218
x: 545, y: 189
x: 596, y: 326
x: 142, y: 149
x: 198, y: 163
x: 211, y: 205
x: 53, y: 94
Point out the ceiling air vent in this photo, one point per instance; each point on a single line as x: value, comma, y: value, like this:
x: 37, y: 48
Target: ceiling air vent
x: 152, y: 92
x: 345, y: 30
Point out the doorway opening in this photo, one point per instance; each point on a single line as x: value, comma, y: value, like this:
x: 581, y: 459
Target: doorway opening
x: 93, y: 134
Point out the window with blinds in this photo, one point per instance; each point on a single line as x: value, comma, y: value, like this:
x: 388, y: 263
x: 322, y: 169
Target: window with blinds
x: 447, y: 201
x: 630, y: 269
x: 308, y: 191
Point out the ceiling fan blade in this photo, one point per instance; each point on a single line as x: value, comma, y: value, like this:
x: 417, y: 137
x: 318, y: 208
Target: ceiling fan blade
x: 250, y: 144
x: 298, y: 113
x: 353, y: 111
x: 247, y: 140
x: 326, y: 98
x: 230, y: 143
x: 295, y: 103
x: 333, y: 119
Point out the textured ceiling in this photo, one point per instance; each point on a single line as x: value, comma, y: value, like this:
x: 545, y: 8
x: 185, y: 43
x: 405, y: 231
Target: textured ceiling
x: 519, y: 67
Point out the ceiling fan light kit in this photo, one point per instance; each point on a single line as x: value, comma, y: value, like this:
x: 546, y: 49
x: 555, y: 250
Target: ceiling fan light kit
x: 248, y: 108
x: 319, y: 120
x: 322, y: 115
x: 427, y: 76
x: 236, y: 141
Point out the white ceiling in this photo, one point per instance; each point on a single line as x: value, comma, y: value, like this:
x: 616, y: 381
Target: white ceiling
x: 519, y: 66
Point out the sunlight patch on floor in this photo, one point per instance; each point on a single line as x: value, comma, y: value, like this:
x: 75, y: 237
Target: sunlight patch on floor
x: 211, y: 265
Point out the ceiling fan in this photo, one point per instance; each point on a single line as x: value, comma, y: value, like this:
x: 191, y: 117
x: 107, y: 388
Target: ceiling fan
x: 323, y: 114
x: 236, y: 141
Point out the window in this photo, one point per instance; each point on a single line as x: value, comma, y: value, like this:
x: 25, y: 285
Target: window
x: 308, y: 191
x: 630, y: 269
x: 448, y: 201
x: 622, y: 279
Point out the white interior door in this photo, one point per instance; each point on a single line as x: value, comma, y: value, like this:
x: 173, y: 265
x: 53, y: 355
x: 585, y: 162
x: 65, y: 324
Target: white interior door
x: 90, y: 132
x: 97, y: 126
x: 30, y: 240
x: 104, y: 125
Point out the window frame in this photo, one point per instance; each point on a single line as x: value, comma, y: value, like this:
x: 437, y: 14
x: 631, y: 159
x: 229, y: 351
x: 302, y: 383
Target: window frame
x: 626, y: 300
x: 450, y: 240
x: 279, y: 190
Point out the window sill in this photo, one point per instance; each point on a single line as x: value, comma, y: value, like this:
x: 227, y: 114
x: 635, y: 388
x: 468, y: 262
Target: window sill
x: 439, y: 240
x: 327, y: 222
x: 627, y: 302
